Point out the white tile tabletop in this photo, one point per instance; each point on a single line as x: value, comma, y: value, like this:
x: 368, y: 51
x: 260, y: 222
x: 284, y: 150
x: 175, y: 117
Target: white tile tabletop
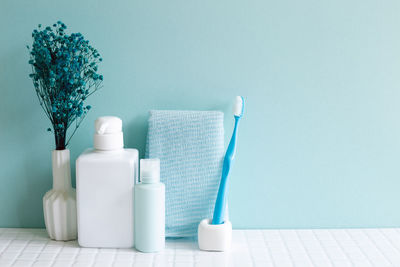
x: 335, y: 247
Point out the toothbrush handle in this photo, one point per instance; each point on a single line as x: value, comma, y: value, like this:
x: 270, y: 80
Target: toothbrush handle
x: 220, y: 203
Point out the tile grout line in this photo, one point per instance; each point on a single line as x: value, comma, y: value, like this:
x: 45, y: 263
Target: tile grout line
x: 341, y: 247
x: 174, y: 254
x: 194, y: 254
x: 359, y: 247
x: 326, y: 251
x: 94, y: 257
x: 40, y: 253
x: 6, y: 247
x: 134, y: 256
x: 16, y: 258
x: 390, y: 242
x: 323, y: 247
x: 248, y: 248
x: 373, y: 243
x: 388, y: 239
x: 286, y: 247
x: 76, y: 255
x: 153, y: 262
x: 114, y: 257
x: 397, y: 230
x: 306, y: 250
x: 266, y: 244
x: 380, y: 250
x: 375, y: 246
x: 55, y: 258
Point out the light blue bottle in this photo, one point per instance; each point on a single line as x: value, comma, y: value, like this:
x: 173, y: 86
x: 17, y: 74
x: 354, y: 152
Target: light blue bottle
x: 149, y: 208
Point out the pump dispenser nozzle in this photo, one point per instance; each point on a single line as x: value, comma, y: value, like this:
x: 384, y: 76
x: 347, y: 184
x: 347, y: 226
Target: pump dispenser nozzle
x: 108, y: 134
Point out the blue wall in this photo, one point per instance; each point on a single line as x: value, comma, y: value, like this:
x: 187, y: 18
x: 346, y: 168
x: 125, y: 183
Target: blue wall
x: 320, y: 142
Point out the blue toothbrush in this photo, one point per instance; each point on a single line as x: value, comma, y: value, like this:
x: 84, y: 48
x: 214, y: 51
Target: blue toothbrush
x: 220, y: 203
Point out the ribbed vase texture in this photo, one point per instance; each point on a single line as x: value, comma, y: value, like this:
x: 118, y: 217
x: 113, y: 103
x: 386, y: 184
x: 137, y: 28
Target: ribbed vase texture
x: 59, y: 204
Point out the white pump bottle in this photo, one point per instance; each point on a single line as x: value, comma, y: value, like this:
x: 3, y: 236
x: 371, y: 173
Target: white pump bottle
x: 105, y: 178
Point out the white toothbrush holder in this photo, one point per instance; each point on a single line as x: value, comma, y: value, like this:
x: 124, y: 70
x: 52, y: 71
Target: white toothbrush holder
x: 214, y: 237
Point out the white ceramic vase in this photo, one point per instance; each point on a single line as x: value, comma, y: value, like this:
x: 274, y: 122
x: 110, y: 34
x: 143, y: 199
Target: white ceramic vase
x: 59, y: 204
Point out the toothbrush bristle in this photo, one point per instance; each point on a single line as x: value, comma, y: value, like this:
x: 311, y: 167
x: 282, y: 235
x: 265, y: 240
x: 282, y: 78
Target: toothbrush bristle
x: 238, y: 106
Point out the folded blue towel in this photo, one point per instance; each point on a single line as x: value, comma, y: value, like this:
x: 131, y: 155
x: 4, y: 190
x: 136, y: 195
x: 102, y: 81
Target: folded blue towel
x: 190, y: 146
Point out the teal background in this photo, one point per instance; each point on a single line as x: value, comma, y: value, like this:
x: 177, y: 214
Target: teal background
x: 318, y: 145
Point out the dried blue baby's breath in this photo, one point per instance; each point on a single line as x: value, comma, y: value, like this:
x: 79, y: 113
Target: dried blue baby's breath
x: 64, y: 74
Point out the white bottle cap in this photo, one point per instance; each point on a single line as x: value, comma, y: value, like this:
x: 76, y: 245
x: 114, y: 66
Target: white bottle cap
x: 149, y: 171
x: 108, y: 134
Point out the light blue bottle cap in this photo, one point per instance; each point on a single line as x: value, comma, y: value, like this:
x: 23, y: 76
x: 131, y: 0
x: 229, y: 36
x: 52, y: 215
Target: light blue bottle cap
x: 149, y: 171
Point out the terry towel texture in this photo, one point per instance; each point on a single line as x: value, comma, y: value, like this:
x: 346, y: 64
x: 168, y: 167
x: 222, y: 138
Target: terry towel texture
x: 190, y: 146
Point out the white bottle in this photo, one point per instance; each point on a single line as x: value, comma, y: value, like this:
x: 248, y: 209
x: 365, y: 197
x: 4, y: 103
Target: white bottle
x: 150, y: 208
x: 105, y: 178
